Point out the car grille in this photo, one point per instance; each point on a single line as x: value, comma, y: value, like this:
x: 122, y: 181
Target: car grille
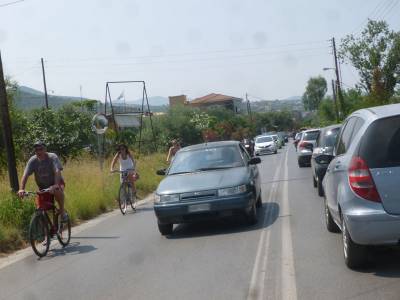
x: 193, y: 196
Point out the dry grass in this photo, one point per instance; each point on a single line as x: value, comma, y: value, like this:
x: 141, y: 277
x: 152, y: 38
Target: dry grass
x: 89, y: 192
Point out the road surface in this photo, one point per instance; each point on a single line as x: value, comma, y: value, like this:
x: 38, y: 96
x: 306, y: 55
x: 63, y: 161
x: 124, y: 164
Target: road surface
x: 288, y: 255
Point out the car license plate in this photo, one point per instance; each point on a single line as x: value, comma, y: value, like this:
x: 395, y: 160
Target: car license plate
x: 199, y: 207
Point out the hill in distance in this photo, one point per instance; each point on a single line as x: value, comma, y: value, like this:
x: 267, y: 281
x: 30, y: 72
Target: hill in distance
x: 28, y: 98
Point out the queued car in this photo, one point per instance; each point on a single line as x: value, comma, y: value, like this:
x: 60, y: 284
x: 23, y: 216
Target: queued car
x: 277, y: 140
x: 306, y: 146
x: 282, y: 137
x: 297, y: 139
x: 322, y: 153
x: 211, y: 180
x: 265, y: 145
x: 362, y: 182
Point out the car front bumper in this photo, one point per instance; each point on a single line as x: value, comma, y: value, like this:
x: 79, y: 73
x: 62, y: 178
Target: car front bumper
x: 182, y: 212
x: 268, y: 150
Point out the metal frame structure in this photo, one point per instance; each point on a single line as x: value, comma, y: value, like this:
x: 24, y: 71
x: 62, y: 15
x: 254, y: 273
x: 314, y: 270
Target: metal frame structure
x: 142, y: 112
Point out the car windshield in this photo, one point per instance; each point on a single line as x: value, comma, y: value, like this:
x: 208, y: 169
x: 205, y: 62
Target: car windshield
x: 263, y: 139
x: 206, y: 159
x: 329, y: 138
x: 310, y: 135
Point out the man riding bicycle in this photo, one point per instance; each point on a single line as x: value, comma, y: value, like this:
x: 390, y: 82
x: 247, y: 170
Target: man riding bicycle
x: 47, y: 170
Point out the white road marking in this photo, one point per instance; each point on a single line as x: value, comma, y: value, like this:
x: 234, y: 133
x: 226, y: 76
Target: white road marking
x: 288, y: 275
x: 21, y: 254
x: 257, y: 282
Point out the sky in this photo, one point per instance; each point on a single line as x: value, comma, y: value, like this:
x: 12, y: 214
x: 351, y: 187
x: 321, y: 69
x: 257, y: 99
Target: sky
x: 266, y: 48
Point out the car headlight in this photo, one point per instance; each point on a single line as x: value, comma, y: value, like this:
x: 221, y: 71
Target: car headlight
x: 169, y: 198
x: 232, y: 190
x: 157, y: 198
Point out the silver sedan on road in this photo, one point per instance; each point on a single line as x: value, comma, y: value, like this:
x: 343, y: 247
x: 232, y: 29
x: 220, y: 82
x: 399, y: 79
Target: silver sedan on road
x: 362, y: 182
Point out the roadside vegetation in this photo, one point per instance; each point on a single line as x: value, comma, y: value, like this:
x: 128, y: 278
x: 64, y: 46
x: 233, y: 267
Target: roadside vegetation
x: 375, y: 55
x: 89, y: 192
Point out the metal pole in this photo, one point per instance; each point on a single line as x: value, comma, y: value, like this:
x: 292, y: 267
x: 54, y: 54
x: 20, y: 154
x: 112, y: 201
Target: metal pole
x: 45, y: 87
x: 335, y: 100
x: 7, y: 133
x: 151, y: 120
x: 141, y: 119
x: 338, y: 83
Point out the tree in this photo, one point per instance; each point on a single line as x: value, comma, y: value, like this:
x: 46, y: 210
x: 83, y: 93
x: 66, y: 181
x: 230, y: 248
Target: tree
x: 376, y: 56
x: 315, y: 92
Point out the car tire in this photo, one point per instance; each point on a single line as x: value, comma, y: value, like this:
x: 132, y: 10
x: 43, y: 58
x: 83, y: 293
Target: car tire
x: 165, y: 229
x: 320, y: 188
x: 331, y: 226
x: 314, y: 181
x: 251, y: 215
x: 355, y: 255
x: 301, y: 165
x: 259, y: 201
x: 276, y: 151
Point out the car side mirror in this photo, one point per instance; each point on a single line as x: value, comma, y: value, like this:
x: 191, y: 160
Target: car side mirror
x: 255, y: 161
x: 161, y: 172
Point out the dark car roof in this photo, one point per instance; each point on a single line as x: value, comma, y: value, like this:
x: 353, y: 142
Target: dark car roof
x: 210, y: 145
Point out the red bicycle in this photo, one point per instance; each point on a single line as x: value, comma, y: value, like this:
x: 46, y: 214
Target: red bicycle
x: 46, y: 222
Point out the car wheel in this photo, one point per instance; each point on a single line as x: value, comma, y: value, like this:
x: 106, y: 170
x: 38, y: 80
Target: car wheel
x: 329, y: 222
x: 276, y: 151
x: 355, y: 255
x: 320, y: 188
x: 165, y: 229
x: 314, y: 181
x: 259, y: 201
x: 251, y: 216
x: 301, y: 165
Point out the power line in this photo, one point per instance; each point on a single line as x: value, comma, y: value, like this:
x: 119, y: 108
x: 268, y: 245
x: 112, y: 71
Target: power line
x: 205, y: 59
x: 270, y: 48
x: 11, y: 3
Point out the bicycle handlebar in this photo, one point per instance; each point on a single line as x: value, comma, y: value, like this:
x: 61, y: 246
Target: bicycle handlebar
x: 30, y: 193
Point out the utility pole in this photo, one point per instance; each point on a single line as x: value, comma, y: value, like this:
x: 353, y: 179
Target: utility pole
x: 7, y: 132
x: 249, y: 107
x: 45, y: 87
x: 338, y: 83
x: 335, y: 101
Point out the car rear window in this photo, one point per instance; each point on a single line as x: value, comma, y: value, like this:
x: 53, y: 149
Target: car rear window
x: 380, y: 146
x: 329, y: 137
x: 311, y: 135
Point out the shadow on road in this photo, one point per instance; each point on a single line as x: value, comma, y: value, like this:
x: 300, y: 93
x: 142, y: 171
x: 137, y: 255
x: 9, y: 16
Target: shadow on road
x: 72, y: 249
x: 95, y: 237
x: 383, y: 262
x: 267, y: 215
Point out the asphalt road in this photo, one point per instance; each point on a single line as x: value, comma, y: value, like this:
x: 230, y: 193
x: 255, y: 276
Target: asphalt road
x: 288, y: 255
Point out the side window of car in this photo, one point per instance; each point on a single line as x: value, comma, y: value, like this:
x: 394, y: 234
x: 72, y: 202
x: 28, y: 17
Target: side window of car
x: 319, y: 139
x: 345, y: 136
x: 357, y: 127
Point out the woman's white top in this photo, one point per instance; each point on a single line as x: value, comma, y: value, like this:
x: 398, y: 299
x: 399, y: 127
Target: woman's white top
x: 126, y: 164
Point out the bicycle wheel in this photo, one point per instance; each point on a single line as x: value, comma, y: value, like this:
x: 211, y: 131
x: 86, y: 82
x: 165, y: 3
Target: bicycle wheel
x: 64, y: 231
x: 132, y: 198
x: 122, y: 198
x: 39, y: 235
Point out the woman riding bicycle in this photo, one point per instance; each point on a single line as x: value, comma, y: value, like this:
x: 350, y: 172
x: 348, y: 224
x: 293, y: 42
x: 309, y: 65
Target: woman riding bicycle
x: 126, y: 164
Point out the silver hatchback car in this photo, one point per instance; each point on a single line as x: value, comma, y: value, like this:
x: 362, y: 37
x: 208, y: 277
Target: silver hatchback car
x: 362, y: 182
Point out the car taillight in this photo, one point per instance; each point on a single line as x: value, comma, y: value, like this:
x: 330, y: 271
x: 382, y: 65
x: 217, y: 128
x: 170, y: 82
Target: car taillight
x: 361, y: 181
x: 303, y: 145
